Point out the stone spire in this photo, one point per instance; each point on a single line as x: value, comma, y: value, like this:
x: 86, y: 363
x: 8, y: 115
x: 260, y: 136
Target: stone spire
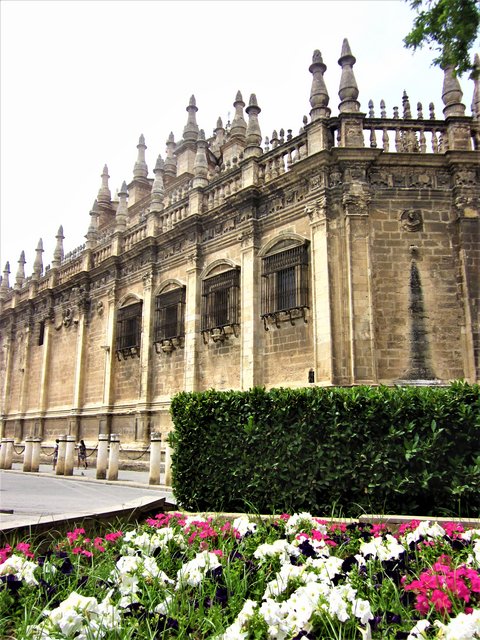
x: 171, y: 161
x: 318, y: 95
x: 104, y: 195
x: 5, y: 285
x: 190, y: 132
x: 92, y: 233
x: 58, y: 253
x: 348, y: 91
x: 20, y: 276
x: 158, y: 192
x: 254, y: 135
x: 38, y: 263
x: 452, y: 94
x: 200, y: 167
x: 140, y: 170
x: 122, y: 209
x: 475, y: 76
x: 239, y: 126
x: 219, y: 132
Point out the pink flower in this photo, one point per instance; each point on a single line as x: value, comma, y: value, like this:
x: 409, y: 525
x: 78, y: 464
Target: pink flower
x: 24, y: 547
x: 113, y: 537
x: 441, y: 601
x: 4, y: 553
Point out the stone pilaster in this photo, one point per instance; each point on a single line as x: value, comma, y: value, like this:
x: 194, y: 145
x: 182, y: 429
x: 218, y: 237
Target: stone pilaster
x: 9, y: 349
x: 358, y: 265
x: 250, y: 309
x: 45, y: 370
x: 144, y: 396
x: 320, y: 304
x: 109, y: 350
x: 192, y: 320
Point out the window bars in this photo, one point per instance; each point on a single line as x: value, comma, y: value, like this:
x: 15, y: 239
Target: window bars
x: 220, y: 305
x: 129, y: 323
x: 169, y: 320
x: 285, y: 286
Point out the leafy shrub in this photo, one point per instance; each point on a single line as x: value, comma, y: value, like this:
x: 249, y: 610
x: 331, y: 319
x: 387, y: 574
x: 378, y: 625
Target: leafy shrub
x: 412, y: 450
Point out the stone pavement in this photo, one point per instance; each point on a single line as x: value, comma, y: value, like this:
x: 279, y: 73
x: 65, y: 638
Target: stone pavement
x: 44, y: 499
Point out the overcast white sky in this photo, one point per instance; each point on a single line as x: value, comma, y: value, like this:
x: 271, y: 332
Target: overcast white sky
x: 81, y: 80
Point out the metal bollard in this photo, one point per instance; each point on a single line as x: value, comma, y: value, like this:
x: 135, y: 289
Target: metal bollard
x: 62, y: 444
x: 8, y: 453
x: 102, y: 456
x: 112, y: 471
x: 35, y: 455
x: 155, y: 453
x: 69, y: 456
x: 168, y: 465
x: 27, y: 454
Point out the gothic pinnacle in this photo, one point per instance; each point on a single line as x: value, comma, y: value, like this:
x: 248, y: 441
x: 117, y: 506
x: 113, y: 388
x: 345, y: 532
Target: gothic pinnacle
x: 140, y: 169
x: 200, y: 167
x: 5, y: 285
x: 239, y: 126
x: 92, y: 233
x: 20, y: 275
x: 171, y: 160
x: 348, y: 91
x: 58, y: 253
x: 158, y: 192
x: 104, y: 195
x: 38, y: 263
x: 122, y: 209
x: 452, y: 94
x: 318, y: 95
x: 254, y: 135
x: 190, y: 132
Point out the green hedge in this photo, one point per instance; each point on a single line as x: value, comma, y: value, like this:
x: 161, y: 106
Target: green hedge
x: 330, y: 451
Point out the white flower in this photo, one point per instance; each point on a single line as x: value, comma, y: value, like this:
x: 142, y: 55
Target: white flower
x: 244, y: 526
x: 281, y: 548
x: 361, y: 610
x: 418, y: 630
x: 193, y: 572
x: 382, y: 548
x: 236, y: 631
x: 304, y: 520
x: 425, y: 530
x: 19, y: 567
x: 463, y: 627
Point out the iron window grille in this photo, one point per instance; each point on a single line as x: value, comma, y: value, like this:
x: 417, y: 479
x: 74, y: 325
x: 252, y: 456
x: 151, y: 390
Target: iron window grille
x: 129, y: 324
x: 169, y: 320
x: 285, y: 285
x: 220, y: 304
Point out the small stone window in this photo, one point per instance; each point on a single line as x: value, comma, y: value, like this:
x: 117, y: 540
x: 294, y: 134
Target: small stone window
x: 285, y: 285
x: 169, y: 320
x: 129, y: 327
x: 41, y: 333
x: 220, y: 305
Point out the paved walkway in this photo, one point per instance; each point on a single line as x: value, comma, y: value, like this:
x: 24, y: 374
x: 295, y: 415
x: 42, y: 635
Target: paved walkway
x: 30, y: 499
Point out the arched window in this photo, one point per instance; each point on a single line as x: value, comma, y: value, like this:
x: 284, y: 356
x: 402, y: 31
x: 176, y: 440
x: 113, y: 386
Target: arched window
x: 285, y: 281
x: 129, y: 329
x: 169, y: 326
x: 220, y: 302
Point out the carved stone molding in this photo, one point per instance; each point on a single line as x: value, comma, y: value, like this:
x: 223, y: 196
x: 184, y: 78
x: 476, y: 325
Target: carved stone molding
x: 317, y: 211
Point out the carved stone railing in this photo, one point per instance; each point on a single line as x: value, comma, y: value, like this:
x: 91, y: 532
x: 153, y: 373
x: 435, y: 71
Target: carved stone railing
x: 73, y: 267
x: 280, y: 159
x: 406, y: 136
x: 174, y: 214
x: 43, y: 284
x: 228, y: 184
x: 99, y: 254
x: 133, y: 235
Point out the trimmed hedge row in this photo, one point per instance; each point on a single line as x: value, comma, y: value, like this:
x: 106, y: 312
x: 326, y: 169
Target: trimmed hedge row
x: 330, y: 451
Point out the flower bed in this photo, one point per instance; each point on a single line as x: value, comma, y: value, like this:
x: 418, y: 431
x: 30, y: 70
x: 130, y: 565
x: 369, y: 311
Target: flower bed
x: 287, y: 577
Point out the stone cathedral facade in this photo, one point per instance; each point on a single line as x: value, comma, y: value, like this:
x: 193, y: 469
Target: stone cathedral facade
x: 347, y: 253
